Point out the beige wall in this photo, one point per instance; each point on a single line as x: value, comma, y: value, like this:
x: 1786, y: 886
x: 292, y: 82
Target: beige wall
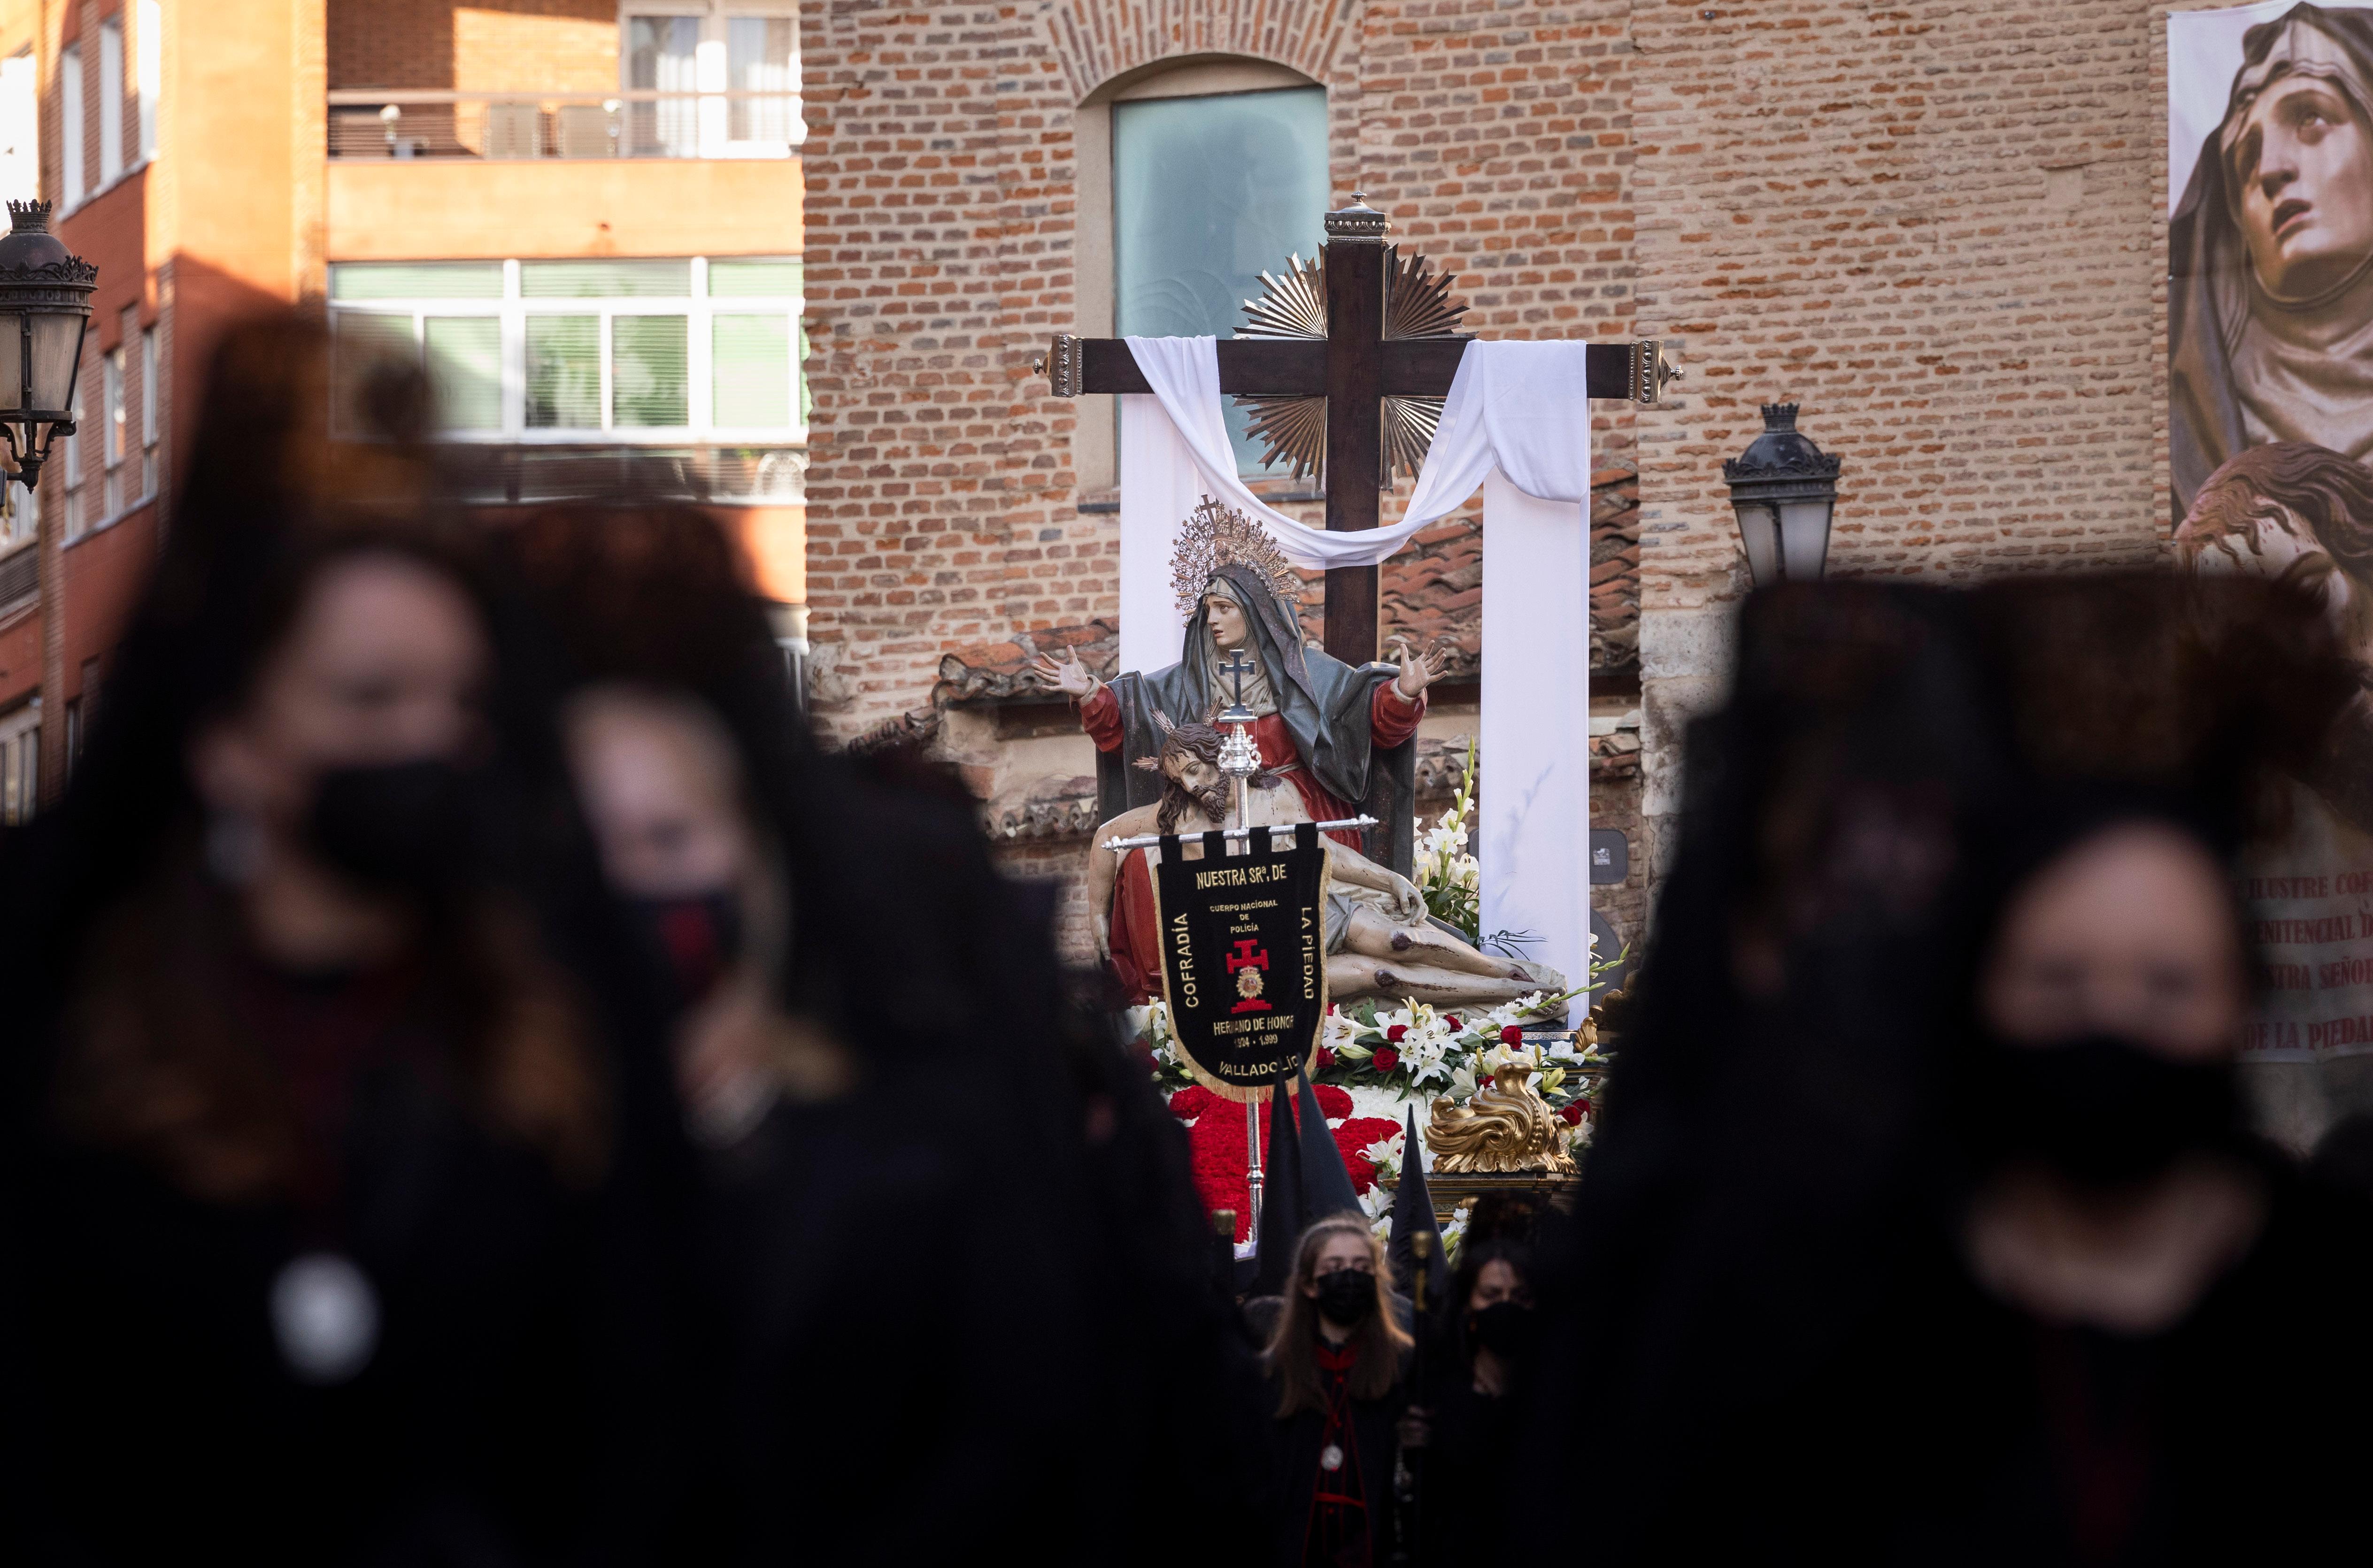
x: 461, y: 208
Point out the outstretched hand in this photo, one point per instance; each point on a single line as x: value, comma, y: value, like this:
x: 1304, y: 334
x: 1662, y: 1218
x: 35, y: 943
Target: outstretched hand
x: 1416, y: 672
x: 1066, y: 674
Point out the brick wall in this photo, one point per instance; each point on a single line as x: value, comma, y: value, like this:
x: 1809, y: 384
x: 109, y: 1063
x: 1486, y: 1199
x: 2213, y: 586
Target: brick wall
x: 486, y: 46
x: 942, y: 507
x: 1936, y: 225
x: 1932, y: 223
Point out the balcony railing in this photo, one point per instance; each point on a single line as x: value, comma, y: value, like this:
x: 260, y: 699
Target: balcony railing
x: 418, y: 123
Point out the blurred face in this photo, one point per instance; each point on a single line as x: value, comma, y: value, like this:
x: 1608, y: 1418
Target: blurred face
x: 383, y: 664
x: 1496, y: 1282
x: 1226, y: 619
x: 2128, y: 933
x: 661, y: 790
x: 2303, y: 170
x: 1343, y: 1250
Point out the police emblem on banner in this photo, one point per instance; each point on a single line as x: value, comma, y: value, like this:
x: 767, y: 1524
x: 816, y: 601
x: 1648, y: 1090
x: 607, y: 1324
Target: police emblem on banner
x: 1243, y: 956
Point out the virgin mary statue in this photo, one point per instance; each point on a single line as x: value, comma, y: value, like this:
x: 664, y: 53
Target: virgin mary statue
x: 2270, y: 307
x: 1321, y: 720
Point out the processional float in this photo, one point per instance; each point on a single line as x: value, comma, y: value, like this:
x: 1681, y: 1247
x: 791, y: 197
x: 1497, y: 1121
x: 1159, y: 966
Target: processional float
x: 1345, y: 363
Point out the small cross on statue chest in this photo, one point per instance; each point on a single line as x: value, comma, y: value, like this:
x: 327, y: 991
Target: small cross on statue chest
x: 1345, y: 362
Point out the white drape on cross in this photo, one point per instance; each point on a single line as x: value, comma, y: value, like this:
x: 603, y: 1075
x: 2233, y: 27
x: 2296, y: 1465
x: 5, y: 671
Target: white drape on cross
x: 1517, y: 424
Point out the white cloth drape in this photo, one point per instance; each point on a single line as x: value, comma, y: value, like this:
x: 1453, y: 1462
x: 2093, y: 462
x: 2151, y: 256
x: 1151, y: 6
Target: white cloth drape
x: 1517, y: 424
x: 1174, y: 451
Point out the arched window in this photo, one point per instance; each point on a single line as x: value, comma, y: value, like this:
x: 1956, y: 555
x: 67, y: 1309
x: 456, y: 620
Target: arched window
x: 1195, y: 177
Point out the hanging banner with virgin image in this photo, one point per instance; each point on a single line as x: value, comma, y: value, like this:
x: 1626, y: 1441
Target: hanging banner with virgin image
x: 2270, y: 433
x: 1243, y: 956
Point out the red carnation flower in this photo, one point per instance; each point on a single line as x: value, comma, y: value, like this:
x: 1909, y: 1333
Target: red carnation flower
x: 1573, y: 1112
x: 1353, y: 1137
x: 1334, y: 1103
x: 1191, y: 1102
x: 1397, y: 1032
x: 1452, y: 1019
x: 1386, y: 1058
x: 1216, y: 1149
x: 1325, y: 1059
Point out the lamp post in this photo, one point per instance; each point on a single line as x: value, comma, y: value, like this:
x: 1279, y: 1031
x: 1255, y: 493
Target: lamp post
x: 44, y: 311
x: 1784, y: 490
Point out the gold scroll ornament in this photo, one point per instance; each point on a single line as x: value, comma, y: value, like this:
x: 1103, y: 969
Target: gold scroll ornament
x: 1504, y: 1127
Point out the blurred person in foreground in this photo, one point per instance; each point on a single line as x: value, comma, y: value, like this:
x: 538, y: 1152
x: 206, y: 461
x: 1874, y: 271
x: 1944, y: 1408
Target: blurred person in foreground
x: 1337, y: 1368
x: 309, y: 1239
x: 1924, y: 1227
x: 951, y: 1238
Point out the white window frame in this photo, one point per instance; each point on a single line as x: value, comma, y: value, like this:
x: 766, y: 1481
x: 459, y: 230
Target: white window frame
x: 710, y: 66
x: 148, y: 50
x: 20, y: 520
x: 20, y: 766
x: 110, y: 101
x: 77, y: 514
x: 700, y: 312
x: 75, y: 178
x: 149, y: 430
x: 111, y: 416
x: 21, y: 158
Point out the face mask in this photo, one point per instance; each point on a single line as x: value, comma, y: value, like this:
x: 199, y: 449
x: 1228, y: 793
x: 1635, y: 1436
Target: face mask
x: 695, y: 936
x: 2101, y: 1109
x: 402, y: 825
x: 1347, y: 1297
x: 1506, y: 1329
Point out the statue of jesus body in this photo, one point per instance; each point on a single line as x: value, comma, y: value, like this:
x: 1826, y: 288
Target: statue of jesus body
x: 1378, y: 940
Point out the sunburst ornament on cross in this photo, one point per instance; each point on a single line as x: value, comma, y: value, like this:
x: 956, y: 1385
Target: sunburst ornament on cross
x: 1345, y: 361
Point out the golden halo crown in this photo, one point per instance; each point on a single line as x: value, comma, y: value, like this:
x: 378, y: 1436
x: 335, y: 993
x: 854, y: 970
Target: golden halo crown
x: 1216, y: 535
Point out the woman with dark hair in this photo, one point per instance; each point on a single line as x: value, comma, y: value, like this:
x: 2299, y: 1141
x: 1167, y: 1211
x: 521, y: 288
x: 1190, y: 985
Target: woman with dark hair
x: 1335, y: 1364
x: 1928, y: 1230
x: 311, y: 1217
x: 944, y: 1217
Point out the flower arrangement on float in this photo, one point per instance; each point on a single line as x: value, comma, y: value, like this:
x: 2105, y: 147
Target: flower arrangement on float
x: 1373, y: 1060
x: 1445, y: 872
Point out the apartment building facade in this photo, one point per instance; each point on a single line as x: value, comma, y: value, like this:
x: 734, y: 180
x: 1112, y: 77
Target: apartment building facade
x: 582, y: 217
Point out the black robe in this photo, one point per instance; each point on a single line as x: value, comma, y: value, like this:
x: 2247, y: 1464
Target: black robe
x: 519, y: 1406
x: 1951, y: 1429
x: 1294, y: 1441
x: 1470, y: 1443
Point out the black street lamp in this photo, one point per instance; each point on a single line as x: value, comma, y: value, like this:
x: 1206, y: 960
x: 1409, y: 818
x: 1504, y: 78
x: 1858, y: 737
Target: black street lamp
x: 1784, y: 490
x: 44, y: 311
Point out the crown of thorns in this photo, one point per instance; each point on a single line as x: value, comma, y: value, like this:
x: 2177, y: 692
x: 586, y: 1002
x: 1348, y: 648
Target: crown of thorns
x: 1216, y: 535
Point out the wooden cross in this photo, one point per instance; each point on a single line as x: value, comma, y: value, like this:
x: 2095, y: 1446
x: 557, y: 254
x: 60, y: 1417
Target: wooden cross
x: 1355, y: 366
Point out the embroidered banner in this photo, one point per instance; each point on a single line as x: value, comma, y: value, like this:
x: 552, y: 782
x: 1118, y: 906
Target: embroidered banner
x: 1243, y: 956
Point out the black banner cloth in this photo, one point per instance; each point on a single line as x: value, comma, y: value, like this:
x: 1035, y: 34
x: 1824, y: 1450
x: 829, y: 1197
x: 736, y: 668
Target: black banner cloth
x: 1243, y: 958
